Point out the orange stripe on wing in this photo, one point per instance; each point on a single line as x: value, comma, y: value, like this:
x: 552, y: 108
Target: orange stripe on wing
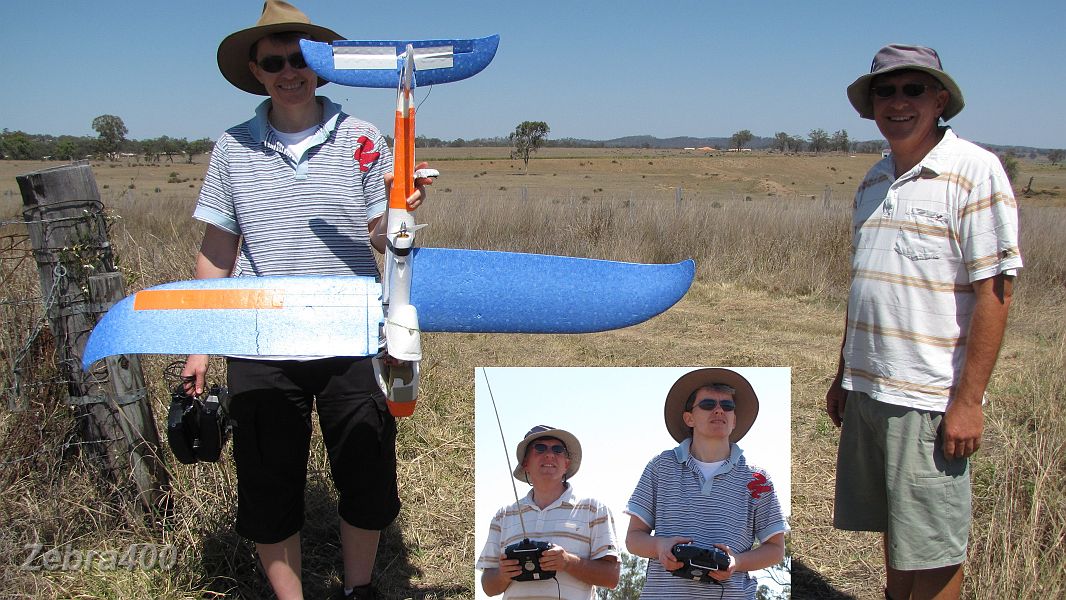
x: 207, y: 299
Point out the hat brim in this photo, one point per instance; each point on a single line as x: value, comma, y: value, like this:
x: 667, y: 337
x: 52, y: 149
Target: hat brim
x: 747, y: 403
x: 233, y: 52
x: 859, y: 91
x: 573, y: 447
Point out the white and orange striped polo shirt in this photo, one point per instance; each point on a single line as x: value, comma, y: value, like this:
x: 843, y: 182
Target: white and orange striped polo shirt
x: 582, y: 526
x: 919, y: 242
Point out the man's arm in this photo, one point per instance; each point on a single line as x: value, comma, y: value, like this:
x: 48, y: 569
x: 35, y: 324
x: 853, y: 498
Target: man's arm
x: 495, y: 581
x: 377, y: 225
x: 602, y: 572
x: 218, y: 253
x: 837, y: 396
x: 964, y: 418
x: 768, y: 554
x: 640, y: 541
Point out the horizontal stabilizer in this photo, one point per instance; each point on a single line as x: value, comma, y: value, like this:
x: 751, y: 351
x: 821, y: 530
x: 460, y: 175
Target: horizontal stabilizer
x: 279, y: 316
x: 506, y: 292
x: 375, y: 63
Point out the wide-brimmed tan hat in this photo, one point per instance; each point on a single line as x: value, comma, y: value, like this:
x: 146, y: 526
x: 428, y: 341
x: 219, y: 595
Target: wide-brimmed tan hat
x: 900, y: 57
x: 573, y: 448
x: 747, y: 403
x: 278, y: 16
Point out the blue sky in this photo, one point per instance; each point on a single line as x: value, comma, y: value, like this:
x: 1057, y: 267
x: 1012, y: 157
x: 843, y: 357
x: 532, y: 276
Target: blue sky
x: 594, y: 69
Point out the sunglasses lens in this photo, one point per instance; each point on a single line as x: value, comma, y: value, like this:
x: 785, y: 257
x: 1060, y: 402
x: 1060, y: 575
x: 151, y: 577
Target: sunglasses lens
x: 913, y: 90
x: 884, y: 91
x: 272, y: 64
x: 555, y: 448
x: 709, y: 404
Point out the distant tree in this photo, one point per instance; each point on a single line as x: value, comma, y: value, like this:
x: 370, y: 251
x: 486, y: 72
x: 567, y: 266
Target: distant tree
x: 818, y: 140
x: 1010, y: 165
x: 66, y: 150
x: 112, y: 133
x: 740, y: 138
x: 1056, y: 156
x: 780, y: 142
x: 869, y: 147
x: 195, y: 147
x: 630, y: 580
x: 15, y: 145
x: 839, y: 141
x: 527, y: 138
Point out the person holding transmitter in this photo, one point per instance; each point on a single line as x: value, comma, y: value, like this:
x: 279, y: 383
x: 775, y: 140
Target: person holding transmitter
x: 579, y: 533
x: 703, y: 494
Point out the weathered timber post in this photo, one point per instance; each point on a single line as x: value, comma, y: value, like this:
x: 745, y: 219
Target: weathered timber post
x: 75, y: 265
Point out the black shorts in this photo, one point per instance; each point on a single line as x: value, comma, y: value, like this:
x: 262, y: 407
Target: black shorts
x: 270, y: 403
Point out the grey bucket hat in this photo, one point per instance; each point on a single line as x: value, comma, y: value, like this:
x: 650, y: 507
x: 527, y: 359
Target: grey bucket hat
x: 573, y: 448
x: 901, y: 57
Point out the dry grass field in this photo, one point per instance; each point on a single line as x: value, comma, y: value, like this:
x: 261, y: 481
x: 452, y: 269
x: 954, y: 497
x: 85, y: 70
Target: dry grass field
x: 770, y: 237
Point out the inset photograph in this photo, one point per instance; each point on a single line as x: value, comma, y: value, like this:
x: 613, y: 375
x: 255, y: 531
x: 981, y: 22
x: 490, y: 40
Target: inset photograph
x: 632, y: 482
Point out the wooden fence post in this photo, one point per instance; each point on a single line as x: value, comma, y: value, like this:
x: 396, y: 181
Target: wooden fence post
x: 75, y: 264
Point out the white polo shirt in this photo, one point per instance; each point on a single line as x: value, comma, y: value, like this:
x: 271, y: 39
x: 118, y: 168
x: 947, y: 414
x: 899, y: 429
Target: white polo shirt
x: 920, y: 242
x: 582, y: 526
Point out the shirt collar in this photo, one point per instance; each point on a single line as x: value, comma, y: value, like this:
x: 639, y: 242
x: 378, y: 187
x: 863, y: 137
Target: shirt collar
x: 565, y: 499
x: 259, y: 126
x: 683, y: 452
x: 934, y: 161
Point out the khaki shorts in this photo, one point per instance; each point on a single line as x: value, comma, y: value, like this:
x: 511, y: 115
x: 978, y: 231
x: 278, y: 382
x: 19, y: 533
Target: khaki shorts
x: 892, y: 476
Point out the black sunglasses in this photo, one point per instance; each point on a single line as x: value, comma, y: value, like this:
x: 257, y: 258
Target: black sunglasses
x: 540, y: 448
x: 275, y: 63
x: 711, y: 404
x: 910, y: 90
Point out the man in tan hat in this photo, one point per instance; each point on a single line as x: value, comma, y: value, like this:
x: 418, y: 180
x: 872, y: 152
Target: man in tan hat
x: 580, y: 530
x: 703, y: 492
x: 299, y: 189
x: 935, y: 253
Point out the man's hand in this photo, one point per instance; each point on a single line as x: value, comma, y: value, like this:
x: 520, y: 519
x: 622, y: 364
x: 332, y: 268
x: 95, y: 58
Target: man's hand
x: 509, y: 567
x: 666, y: 555
x: 420, y: 194
x: 722, y: 575
x: 556, y: 559
x: 961, y: 428
x: 194, y: 374
x: 835, y: 399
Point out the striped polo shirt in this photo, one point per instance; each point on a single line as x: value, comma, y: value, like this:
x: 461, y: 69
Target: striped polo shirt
x: 298, y: 215
x: 736, y: 507
x: 582, y: 526
x: 919, y: 242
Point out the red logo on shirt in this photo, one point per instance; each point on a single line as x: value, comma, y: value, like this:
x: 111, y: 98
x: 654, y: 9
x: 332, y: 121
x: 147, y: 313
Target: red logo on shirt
x: 759, y: 485
x: 364, y: 153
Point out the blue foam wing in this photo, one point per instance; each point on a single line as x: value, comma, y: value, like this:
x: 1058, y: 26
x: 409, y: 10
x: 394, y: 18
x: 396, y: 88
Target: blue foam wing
x: 453, y: 290
x: 506, y: 292
x: 316, y: 316
x: 374, y: 63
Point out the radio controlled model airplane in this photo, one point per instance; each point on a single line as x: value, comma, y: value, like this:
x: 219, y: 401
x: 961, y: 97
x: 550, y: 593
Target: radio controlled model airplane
x: 424, y: 289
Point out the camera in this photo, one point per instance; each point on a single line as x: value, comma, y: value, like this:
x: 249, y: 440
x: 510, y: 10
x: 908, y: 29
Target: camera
x: 197, y: 428
x: 699, y: 562
x: 528, y: 554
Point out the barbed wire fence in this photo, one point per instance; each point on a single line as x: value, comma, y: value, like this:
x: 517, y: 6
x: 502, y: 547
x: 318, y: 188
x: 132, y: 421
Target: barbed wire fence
x: 100, y: 412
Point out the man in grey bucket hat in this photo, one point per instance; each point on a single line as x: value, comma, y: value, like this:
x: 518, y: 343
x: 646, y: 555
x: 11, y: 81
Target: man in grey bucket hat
x: 935, y: 252
x: 580, y: 529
